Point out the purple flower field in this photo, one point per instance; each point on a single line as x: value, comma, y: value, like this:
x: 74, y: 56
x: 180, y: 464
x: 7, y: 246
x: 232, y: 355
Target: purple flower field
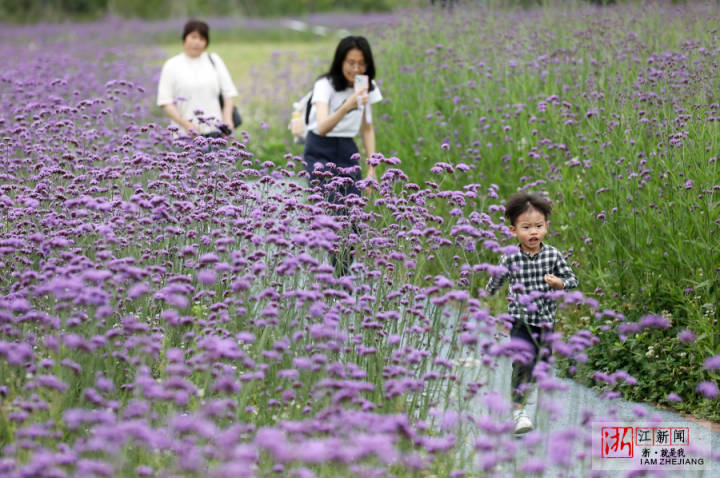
x: 168, y: 307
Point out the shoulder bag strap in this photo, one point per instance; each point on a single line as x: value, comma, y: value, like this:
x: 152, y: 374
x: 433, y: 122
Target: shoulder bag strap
x: 222, y: 100
x: 307, y: 109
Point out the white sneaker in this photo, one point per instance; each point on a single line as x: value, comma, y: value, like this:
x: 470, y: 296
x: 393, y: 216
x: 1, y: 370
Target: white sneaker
x: 523, y: 424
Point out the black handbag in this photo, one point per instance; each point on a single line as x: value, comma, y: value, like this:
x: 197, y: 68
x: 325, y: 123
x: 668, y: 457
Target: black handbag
x: 236, y: 118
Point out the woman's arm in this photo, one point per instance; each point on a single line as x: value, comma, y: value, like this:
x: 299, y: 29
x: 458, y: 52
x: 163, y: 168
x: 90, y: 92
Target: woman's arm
x: 228, y: 104
x: 227, y: 88
x: 368, y: 135
x: 174, y: 114
x: 326, y: 121
x: 167, y: 92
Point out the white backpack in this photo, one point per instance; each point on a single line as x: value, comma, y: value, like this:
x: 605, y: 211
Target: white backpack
x: 301, y: 118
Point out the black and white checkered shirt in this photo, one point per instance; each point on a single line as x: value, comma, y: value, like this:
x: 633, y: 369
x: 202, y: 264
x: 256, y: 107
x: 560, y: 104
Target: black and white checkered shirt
x: 528, y: 294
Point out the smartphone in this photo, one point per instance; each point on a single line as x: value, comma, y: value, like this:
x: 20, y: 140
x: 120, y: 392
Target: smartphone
x: 362, y: 82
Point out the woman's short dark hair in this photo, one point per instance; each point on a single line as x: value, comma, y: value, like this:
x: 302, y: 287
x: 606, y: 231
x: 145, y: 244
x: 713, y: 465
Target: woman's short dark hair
x: 336, y: 69
x: 197, y: 26
x: 522, y: 201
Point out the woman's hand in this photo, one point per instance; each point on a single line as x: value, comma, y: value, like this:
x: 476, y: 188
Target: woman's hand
x: 174, y: 114
x: 358, y: 99
x: 225, y: 130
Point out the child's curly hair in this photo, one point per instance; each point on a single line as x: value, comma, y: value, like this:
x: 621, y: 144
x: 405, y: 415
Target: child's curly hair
x: 522, y: 201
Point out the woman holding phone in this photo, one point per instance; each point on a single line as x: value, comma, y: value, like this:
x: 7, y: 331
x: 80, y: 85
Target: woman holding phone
x: 340, y: 109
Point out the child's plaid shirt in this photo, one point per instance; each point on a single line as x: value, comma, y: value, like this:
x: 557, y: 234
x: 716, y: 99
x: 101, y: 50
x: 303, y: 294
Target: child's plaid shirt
x: 528, y: 294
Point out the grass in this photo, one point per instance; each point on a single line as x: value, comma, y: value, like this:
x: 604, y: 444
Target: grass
x: 249, y: 36
x: 243, y: 57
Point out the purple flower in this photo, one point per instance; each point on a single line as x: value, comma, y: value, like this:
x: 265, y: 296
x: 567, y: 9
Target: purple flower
x: 468, y: 338
x: 687, y: 336
x: 177, y: 300
x: 209, y: 258
x: 497, y: 403
x: 509, y: 250
x: 144, y: 470
x: 673, y: 397
x: 712, y: 363
x: 92, y: 275
x: 533, y: 466
x: 94, y: 467
x: 138, y: 290
x: 435, y: 444
x: 303, y: 363
x: 207, y: 276
x: 20, y: 306
x: 654, y: 321
x: 707, y: 388
x: 275, y: 442
x: 442, y: 282
x: 491, y: 245
x: 51, y: 381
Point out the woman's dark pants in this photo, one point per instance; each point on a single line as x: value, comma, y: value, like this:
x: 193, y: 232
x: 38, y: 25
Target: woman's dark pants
x: 321, y: 150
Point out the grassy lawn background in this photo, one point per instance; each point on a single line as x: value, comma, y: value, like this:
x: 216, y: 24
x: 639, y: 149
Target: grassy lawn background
x: 242, y: 57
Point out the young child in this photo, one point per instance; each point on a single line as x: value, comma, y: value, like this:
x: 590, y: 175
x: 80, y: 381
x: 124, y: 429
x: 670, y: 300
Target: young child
x: 537, y: 267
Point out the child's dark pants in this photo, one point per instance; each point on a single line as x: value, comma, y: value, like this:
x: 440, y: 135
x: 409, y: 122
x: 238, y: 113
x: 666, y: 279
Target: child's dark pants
x: 522, y: 372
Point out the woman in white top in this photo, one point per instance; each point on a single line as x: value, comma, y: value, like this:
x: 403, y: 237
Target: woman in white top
x: 338, y: 113
x: 192, y: 81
